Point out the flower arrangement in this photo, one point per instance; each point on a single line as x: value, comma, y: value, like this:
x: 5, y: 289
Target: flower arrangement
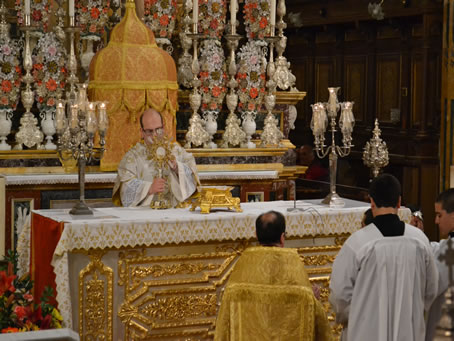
x: 160, y: 16
x: 18, y: 311
x: 40, y: 13
x: 49, y: 70
x: 251, y: 75
x: 213, y: 75
x: 92, y: 16
x: 10, y: 74
x: 212, y: 17
x: 257, y: 18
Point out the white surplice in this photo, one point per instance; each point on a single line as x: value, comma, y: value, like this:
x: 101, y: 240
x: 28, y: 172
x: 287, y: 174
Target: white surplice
x: 136, y: 174
x: 433, y: 318
x: 381, y: 286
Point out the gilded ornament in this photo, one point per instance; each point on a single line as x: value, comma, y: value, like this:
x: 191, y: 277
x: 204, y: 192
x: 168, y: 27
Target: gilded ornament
x: 215, y: 197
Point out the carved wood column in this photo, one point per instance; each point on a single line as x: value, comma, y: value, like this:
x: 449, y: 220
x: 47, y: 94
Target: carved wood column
x: 447, y: 95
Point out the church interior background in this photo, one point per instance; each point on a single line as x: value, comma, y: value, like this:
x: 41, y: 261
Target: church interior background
x: 394, y: 61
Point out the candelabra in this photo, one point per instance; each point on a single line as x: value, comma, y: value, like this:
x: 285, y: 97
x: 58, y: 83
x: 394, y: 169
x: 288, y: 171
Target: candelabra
x: 72, y: 63
x: 76, y: 132
x: 375, y: 153
x: 283, y: 76
x: 271, y: 134
x: 29, y: 133
x: 196, y: 134
x: 233, y: 134
x: 319, y: 124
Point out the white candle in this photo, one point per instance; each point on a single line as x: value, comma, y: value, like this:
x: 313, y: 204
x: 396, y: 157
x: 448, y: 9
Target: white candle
x: 27, y: 7
x: 60, y: 117
x: 233, y: 15
x: 273, y: 16
x: 195, y: 15
x: 74, y: 124
x: 71, y: 8
x: 102, y: 118
x: 91, y: 119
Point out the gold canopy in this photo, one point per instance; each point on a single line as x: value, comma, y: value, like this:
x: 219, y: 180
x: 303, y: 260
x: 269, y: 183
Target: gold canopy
x: 132, y: 74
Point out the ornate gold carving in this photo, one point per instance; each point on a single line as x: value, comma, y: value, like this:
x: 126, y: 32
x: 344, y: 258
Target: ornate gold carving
x: 178, y: 307
x: 212, y: 197
x: 173, y: 269
x: 96, y: 299
x: 318, y: 259
x: 340, y: 240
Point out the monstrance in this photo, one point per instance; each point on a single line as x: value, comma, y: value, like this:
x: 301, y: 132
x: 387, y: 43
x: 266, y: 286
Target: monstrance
x: 160, y: 151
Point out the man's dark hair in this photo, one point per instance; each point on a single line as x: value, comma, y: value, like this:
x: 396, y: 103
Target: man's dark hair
x: 269, y: 227
x: 141, y: 117
x: 385, y: 190
x: 446, y: 199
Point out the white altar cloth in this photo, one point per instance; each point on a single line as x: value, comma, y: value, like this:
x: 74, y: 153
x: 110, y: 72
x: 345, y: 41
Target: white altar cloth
x: 130, y: 227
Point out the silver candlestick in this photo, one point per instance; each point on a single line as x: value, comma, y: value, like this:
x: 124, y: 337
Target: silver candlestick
x: 185, y: 60
x: 283, y: 76
x: 29, y: 133
x: 319, y: 125
x: 233, y: 134
x: 196, y: 134
x: 76, y: 132
x: 271, y: 135
x: 375, y: 153
x: 72, y: 62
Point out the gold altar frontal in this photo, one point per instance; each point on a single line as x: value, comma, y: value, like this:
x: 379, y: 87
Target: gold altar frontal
x: 141, y: 274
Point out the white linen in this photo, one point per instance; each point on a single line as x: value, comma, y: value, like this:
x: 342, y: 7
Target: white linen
x: 381, y: 286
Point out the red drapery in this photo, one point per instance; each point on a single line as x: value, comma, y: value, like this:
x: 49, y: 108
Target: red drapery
x: 45, y: 234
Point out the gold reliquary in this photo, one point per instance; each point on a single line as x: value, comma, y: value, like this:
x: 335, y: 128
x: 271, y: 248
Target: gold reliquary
x: 210, y: 197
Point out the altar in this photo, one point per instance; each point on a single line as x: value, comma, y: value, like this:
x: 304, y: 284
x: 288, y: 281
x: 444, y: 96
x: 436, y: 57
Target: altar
x: 136, y: 273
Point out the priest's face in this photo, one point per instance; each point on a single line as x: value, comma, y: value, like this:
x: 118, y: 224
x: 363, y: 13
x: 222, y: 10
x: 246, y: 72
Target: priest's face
x: 151, y: 126
x: 444, y: 220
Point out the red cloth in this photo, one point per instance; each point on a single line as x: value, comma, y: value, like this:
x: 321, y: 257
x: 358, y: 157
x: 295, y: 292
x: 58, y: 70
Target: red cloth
x: 45, y: 234
x: 316, y: 172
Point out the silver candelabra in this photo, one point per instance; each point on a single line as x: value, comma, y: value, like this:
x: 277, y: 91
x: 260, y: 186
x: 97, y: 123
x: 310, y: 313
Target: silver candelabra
x: 29, y: 133
x: 319, y: 124
x: 77, y: 124
x: 375, y: 153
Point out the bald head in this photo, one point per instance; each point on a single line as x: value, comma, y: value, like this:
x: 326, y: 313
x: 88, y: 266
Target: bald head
x: 151, y: 124
x: 269, y: 227
x: 149, y: 114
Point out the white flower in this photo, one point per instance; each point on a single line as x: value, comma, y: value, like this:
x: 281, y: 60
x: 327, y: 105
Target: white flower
x: 52, y: 50
x: 6, y: 50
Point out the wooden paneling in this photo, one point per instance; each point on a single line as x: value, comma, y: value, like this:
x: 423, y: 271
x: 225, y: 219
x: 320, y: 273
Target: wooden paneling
x: 324, y: 77
x: 388, y: 86
x: 416, y: 93
x: 355, y: 68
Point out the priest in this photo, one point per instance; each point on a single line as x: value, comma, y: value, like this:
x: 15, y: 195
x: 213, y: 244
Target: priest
x: 139, y: 181
x: 384, y: 277
x: 269, y: 296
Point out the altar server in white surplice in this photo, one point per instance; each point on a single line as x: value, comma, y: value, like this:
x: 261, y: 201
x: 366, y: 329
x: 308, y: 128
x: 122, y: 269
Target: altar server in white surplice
x: 444, y: 218
x: 385, y: 276
x: 138, y: 182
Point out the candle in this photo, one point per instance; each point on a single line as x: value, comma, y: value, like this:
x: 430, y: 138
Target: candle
x: 91, y: 119
x: 71, y: 8
x: 195, y: 15
x: 27, y: 7
x: 74, y: 123
x: 103, y: 119
x: 233, y: 15
x: 273, y: 16
x: 60, y: 118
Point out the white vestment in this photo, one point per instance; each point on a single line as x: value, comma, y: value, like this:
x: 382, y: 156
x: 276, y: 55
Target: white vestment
x: 136, y: 173
x: 439, y: 249
x: 381, y: 286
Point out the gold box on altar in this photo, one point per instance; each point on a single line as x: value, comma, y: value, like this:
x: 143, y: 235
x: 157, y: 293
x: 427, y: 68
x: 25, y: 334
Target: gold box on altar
x: 212, y: 197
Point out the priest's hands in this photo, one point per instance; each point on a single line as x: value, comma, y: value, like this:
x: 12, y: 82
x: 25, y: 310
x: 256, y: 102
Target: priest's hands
x: 158, y: 186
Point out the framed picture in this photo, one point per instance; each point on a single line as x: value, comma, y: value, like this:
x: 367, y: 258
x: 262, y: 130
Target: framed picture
x: 255, y: 196
x: 24, y: 205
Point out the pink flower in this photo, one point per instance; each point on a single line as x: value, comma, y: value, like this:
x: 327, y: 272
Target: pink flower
x: 92, y: 28
x: 4, y: 100
x: 28, y: 297
x: 250, y: 106
x: 20, y: 312
x: 52, y: 50
x: 6, y: 50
